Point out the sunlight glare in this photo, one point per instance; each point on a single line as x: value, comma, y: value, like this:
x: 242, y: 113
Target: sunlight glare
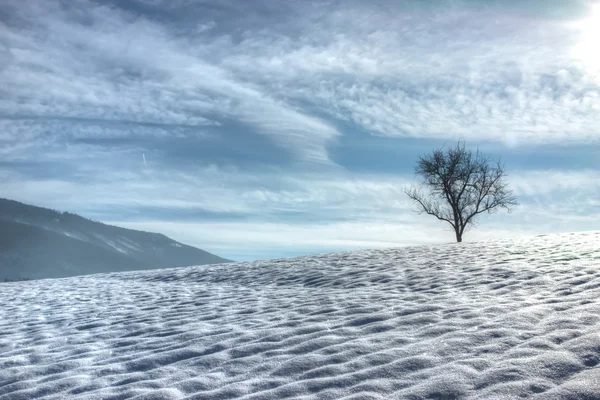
x: 587, y: 49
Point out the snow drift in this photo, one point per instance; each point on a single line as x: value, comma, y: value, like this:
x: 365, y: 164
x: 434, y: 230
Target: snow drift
x: 493, y: 320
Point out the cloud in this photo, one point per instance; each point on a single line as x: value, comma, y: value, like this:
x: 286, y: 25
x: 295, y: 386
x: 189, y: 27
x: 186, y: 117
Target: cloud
x: 88, y: 63
x: 267, y: 196
x: 298, y: 72
x: 469, y: 72
x: 294, y: 122
x: 550, y: 182
x: 244, y: 215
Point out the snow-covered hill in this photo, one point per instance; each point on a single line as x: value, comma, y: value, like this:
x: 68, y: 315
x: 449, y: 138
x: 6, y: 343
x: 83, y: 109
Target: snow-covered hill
x: 495, y: 320
x: 38, y: 243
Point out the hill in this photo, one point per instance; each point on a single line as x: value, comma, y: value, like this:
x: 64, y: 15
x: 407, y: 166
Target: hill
x: 37, y: 243
x: 493, y: 320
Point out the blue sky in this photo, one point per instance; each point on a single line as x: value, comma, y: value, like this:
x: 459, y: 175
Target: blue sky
x: 267, y: 128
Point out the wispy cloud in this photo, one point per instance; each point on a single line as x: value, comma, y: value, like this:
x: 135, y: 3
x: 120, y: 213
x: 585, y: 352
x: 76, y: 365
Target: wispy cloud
x: 231, y: 116
x: 278, y: 214
x: 446, y: 72
x: 89, y: 63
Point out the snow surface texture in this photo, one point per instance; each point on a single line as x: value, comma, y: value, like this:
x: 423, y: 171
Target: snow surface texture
x: 493, y: 320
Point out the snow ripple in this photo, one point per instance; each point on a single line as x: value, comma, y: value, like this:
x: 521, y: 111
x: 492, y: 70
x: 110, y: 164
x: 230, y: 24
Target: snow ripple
x: 491, y: 320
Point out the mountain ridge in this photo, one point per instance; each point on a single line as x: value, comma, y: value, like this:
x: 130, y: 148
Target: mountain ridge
x: 28, y: 231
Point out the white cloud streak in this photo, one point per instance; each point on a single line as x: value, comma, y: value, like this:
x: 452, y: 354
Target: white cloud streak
x: 451, y: 71
x: 303, y: 213
x: 478, y: 75
x: 303, y: 75
x: 121, y: 68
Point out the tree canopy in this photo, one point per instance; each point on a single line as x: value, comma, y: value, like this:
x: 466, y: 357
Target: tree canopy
x: 458, y: 185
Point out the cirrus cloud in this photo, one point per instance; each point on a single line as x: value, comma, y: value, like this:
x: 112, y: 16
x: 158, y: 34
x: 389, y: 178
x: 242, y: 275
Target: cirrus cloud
x: 294, y: 120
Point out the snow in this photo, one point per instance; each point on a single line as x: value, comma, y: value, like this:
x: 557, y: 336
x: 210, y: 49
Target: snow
x: 491, y: 320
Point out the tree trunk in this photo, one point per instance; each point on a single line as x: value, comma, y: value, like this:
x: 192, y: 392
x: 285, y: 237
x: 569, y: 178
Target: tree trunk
x: 458, y: 235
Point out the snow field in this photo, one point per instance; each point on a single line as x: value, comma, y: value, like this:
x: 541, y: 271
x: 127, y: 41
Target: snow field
x: 492, y: 320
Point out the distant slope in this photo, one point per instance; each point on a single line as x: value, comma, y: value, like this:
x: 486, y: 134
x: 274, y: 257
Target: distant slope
x: 67, y: 244
x: 509, y: 319
x: 24, y: 248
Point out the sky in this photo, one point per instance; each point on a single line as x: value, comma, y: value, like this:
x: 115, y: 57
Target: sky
x: 269, y: 128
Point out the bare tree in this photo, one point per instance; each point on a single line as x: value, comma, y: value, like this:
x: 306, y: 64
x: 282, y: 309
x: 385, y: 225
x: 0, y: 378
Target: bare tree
x: 458, y: 185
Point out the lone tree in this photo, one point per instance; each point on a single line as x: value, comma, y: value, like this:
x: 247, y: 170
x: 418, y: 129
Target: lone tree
x: 458, y: 185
